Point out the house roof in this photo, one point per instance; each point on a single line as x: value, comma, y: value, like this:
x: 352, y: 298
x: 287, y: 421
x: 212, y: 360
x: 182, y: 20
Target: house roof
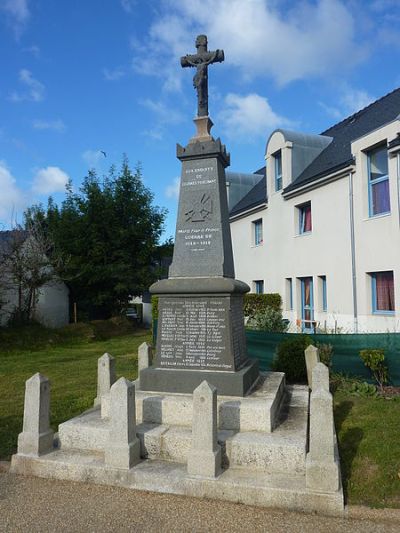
x: 6, y: 238
x: 337, y: 154
x: 256, y: 195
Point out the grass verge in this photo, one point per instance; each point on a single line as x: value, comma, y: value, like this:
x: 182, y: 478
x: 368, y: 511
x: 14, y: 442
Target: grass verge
x: 368, y: 431
x: 68, y: 358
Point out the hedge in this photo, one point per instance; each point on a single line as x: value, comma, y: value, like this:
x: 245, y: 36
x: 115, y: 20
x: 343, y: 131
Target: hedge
x: 254, y: 303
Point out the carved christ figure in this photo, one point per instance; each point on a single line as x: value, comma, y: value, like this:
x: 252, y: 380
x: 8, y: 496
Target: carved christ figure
x: 201, y: 60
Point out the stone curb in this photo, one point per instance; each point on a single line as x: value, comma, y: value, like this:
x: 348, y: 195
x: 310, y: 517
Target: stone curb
x: 356, y: 512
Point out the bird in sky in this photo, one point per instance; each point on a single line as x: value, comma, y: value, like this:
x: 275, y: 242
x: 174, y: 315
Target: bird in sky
x: 105, y: 155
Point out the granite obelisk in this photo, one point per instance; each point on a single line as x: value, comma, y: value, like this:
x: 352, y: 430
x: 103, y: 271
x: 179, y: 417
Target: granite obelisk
x: 200, y: 326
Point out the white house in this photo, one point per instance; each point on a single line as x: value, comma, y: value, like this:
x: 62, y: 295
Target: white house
x: 52, y: 301
x: 323, y: 227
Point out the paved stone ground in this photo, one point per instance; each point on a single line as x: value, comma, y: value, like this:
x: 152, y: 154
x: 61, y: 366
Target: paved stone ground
x: 41, y: 505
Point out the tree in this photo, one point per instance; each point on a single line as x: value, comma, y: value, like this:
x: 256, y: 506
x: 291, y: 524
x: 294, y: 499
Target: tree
x: 108, y: 231
x: 25, y: 269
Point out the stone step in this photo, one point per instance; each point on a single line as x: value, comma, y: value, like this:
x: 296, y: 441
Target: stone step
x: 283, y: 450
x: 234, y: 484
x: 257, y: 412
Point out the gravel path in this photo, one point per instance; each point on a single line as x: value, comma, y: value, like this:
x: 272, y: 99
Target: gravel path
x: 41, y: 505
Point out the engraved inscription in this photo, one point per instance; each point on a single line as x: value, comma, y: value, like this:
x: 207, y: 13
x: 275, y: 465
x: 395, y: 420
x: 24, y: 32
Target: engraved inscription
x: 192, y: 334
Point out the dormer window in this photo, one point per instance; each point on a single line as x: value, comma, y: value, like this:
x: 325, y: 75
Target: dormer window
x: 378, y: 181
x: 278, y: 170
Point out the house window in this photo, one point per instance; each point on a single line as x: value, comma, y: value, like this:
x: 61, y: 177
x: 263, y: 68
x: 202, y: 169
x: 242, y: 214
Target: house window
x: 382, y: 292
x: 289, y: 294
x: 258, y: 232
x: 259, y: 286
x: 307, y: 305
x: 305, y: 224
x: 324, y: 301
x: 278, y: 170
x: 378, y: 181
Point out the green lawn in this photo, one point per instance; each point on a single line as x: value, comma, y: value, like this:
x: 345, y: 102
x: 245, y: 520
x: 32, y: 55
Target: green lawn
x: 69, y: 360
x: 368, y: 428
x: 369, y: 445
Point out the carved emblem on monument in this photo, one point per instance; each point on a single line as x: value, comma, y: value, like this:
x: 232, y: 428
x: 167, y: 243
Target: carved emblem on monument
x: 201, y: 209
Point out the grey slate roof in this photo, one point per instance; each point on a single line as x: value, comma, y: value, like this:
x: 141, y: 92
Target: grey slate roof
x: 257, y: 195
x: 6, y: 237
x: 337, y: 154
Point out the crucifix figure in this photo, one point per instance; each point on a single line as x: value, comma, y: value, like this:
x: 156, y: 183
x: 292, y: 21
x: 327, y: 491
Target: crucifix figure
x: 201, y: 60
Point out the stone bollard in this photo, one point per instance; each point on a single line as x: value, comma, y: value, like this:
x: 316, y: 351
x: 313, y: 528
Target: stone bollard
x: 105, y: 379
x: 36, y: 437
x: 123, y: 448
x: 145, y: 355
x: 204, y: 458
x: 322, y: 463
x: 312, y: 358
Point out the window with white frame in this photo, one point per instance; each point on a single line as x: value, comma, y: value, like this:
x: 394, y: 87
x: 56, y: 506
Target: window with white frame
x: 382, y: 292
x: 305, y: 222
x: 258, y: 286
x: 378, y: 181
x: 257, y: 232
x: 278, y: 170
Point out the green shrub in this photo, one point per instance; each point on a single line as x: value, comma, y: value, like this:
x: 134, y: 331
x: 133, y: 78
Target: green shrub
x: 289, y: 358
x: 154, y: 307
x: 254, y: 303
x: 325, y: 352
x: 269, y: 320
x: 363, y: 389
x: 375, y: 361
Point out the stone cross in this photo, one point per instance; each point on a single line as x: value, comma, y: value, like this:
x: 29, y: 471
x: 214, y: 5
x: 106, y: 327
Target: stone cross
x: 204, y: 458
x: 36, y: 437
x: 201, y: 60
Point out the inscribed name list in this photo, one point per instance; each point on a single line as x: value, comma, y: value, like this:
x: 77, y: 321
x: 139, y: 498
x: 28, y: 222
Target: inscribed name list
x: 193, y: 334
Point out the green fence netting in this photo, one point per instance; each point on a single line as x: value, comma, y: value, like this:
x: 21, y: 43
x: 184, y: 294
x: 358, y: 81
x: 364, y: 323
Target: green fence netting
x: 346, y: 349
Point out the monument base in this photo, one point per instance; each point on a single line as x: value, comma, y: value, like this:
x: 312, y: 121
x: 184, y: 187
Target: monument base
x: 237, y: 383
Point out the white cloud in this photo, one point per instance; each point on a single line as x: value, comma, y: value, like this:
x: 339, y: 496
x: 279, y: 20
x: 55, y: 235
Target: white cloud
x: 34, y: 89
x: 310, y: 38
x: 18, y: 14
x: 164, y: 116
x: 128, y: 5
x: 49, y: 180
x: 350, y: 101
x: 34, y: 50
x: 93, y: 157
x: 55, y: 125
x: 250, y: 116
x: 114, y: 74
x: 172, y: 190
x: 11, y: 197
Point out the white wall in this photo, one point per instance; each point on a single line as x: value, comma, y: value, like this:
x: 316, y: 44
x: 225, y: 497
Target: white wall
x: 326, y: 251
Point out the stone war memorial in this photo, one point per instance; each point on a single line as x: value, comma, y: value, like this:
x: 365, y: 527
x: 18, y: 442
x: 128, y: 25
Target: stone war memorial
x: 201, y: 419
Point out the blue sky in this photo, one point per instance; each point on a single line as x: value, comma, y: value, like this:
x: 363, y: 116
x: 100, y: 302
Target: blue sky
x: 81, y: 76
